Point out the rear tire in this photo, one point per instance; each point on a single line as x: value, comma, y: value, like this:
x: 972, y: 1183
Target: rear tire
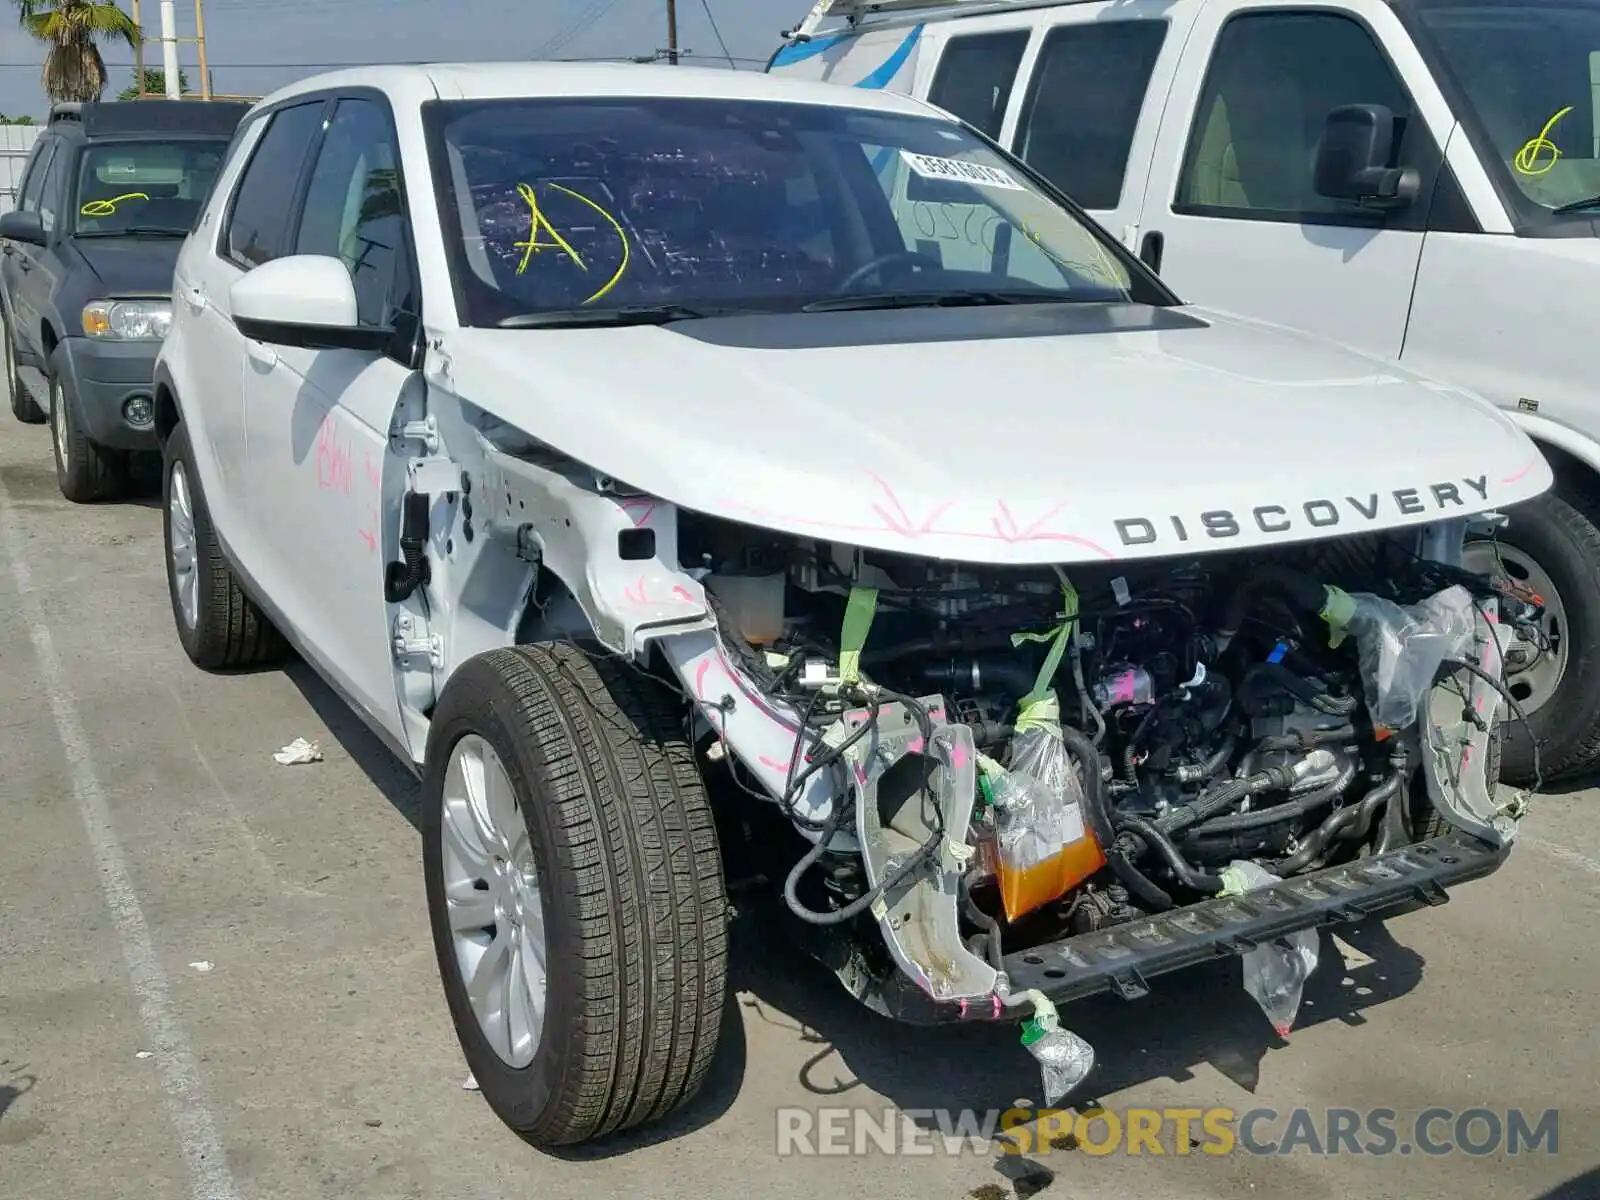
x: 23, y: 407
x: 1550, y: 537
x: 220, y: 627
x: 608, y: 810
x: 85, y: 471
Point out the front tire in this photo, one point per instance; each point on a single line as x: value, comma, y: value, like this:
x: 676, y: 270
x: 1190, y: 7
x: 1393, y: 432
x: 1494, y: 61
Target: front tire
x: 85, y: 471
x: 220, y: 627
x: 1553, y: 547
x: 559, y: 792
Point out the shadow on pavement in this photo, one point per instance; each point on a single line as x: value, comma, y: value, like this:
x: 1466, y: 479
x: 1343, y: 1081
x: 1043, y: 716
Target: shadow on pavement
x: 1579, y: 1187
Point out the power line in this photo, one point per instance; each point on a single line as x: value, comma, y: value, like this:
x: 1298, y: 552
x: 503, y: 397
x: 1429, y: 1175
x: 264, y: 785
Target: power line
x: 706, y: 4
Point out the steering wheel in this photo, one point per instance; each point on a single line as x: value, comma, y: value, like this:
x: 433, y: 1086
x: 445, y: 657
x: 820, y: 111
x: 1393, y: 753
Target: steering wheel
x: 913, y: 258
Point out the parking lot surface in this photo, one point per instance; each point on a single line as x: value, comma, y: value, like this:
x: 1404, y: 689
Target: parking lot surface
x: 216, y: 979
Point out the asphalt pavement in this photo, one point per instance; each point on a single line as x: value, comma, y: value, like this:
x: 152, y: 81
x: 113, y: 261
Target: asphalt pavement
x: 216, y: 980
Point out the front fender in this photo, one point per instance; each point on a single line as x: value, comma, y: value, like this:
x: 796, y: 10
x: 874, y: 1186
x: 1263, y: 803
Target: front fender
x: 1563, y: 437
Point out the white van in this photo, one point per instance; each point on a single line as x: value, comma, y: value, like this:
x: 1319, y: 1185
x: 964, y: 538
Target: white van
x: 1418, y: 179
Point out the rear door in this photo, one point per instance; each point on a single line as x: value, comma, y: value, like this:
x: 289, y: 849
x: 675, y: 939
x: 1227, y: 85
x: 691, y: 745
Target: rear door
x: 1089, y: 114
x: 1231, y: 192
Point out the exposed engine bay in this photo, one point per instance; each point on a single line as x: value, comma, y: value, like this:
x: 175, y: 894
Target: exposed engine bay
x: 988, y: 758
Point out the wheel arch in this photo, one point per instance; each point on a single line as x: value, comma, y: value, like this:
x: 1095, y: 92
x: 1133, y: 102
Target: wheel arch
x: 168, y: 410
x: 1574, y: 457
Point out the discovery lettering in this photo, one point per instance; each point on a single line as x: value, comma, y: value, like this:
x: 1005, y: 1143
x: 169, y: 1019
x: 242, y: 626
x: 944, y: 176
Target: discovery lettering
x: 1322, y: 512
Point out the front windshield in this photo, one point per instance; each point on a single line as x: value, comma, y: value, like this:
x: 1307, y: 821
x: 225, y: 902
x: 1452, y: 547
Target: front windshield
x: 553, y: 205
x: 144, y: 187
x: 1530, y: 73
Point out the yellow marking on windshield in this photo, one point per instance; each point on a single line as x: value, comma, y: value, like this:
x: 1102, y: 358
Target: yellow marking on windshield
x: 622, y: 235
x: 539, y: 222
x: 1527, y: 159
x: 108, y: 208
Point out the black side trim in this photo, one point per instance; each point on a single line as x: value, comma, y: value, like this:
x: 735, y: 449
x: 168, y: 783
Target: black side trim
x: 316, y: 337
x: 1124, y: 958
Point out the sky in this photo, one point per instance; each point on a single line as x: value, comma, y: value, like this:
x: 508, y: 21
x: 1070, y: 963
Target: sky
x: 257, y: 45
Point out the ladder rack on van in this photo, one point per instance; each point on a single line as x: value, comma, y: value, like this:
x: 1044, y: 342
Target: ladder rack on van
x: 855, y: 10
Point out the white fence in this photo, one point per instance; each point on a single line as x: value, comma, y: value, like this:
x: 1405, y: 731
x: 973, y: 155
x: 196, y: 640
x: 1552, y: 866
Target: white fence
x: 16, y: 143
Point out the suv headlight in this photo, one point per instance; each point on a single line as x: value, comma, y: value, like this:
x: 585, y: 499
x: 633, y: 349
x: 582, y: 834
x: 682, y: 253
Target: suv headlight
x: 128, y: 320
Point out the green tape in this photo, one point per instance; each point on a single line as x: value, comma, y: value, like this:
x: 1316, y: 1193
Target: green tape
x: 1059, y: 638
x: 1338, y: 612
x: 858, y: 613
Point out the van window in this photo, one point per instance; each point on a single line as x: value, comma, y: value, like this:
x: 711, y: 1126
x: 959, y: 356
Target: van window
x: 975, y: 77
x: 1083, y: 106
x: 1272, y: 82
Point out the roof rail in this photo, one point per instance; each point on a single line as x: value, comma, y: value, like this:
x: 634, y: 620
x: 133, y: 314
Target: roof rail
x: 854, y: 11
x: 66, y: 111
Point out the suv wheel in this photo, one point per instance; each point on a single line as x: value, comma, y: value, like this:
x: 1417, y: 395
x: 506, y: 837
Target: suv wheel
x: 220, y: 627
x: 23, y: 406
x: 575, y: 891
x: 85, y: 472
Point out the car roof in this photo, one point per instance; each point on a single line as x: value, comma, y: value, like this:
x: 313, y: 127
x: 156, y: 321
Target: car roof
x: 413, y: 84
x: 132, y: 119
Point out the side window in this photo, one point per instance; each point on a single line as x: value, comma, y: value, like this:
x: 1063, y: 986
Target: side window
x: 33, y: 184
x: 264, y: 192
x: 50, y: 198
x: 1083, y: 106
x: 1273, y: 80
x: 975, y: 76
x: 353, y: 210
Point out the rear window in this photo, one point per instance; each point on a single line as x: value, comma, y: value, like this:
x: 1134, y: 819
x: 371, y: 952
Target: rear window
x: 144, y: 187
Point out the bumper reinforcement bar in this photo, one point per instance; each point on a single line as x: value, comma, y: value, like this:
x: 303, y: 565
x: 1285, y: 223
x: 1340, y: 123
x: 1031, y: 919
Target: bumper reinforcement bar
x: 1122, y: 959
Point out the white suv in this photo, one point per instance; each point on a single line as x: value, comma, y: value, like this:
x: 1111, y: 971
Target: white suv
x: 615, y: 442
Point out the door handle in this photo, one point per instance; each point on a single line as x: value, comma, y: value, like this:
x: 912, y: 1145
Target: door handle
x: 194, y: 298
x: 1151, y: 248
x: 25, y: 263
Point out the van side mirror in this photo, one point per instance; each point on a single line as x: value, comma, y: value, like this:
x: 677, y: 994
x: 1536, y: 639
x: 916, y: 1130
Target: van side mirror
x: 22, y: 227
x: 1358, y: 144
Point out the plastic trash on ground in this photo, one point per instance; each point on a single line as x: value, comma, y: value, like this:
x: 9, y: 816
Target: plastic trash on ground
x: 1042, y: 846
x: 297, y: 752
x: 1401, y: 647
x: 1275, y: 972
x: 1064, y: 1058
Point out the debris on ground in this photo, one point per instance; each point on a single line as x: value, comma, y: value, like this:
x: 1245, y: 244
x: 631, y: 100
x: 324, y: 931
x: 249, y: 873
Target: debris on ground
x: 298, y: 752
x: 145, y: 1054
x: 471, y: 1085
x: 203, y: 965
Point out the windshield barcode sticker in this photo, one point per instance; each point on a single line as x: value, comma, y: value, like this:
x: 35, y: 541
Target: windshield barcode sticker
x: 930, y: 167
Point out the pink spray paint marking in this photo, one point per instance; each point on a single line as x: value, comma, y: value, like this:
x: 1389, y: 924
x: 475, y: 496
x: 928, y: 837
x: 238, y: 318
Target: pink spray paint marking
x: 333, y: 457
x: 639, y: 511
x: 958, y: 757
x: 914, y: 746
x: 373, y: 478
x: 1520, y: 475
x: 682, y: 593
x: 899, y: 521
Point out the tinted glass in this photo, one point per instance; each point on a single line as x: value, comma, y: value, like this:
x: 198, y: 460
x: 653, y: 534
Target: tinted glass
x: 265, y: 191
x: 33, y: 185
x: 1088, y: 89
x: 975, y: 77
x: 1271, y: 85
x: 732, y: 205
x: 144, y: 187
x: 1530, y: 73
x: 352, y: 210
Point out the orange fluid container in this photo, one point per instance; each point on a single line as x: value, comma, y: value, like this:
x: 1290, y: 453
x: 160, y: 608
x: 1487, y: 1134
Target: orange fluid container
x: 1030, y: 885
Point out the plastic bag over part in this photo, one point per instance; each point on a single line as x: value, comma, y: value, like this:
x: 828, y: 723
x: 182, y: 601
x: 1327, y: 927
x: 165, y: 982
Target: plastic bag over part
x: 1401, y: 647
x: 1064, y: 1058
x: 1043, y: 847
x: 1275, y: 972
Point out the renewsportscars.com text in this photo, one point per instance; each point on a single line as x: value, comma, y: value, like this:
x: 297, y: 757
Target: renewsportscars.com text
x: 1313, y: 1132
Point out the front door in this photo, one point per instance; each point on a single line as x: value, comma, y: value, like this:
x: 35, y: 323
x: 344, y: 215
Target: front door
x: 1231, y: 190
x: 21, y: 262
x: 318, y: 421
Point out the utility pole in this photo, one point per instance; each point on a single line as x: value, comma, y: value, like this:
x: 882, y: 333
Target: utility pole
x: 200, y: 39
x: 169, y: 47
x: 672, y: 32
x: 138, y: 49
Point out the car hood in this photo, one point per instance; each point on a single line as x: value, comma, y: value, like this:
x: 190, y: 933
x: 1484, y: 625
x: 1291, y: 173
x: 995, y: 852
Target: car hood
x: 1007, y: 436
x: 130, y: 265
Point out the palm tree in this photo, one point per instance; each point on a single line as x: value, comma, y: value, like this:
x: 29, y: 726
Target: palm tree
x: 73, y: 29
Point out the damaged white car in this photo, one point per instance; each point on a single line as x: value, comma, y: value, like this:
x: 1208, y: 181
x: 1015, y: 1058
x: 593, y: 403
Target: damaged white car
x: 703, y: 478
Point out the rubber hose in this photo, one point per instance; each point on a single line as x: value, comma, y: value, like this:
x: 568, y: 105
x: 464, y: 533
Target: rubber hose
x: 1338, y: 825
x: 1297, y: 806
x: 1098, y: 819
x: 1308, y: 739
x: 1181, y: 867
x: 1223, y: 797
x: 1339, y: 706
x: 991, y: 927
x: 1306, y: 594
